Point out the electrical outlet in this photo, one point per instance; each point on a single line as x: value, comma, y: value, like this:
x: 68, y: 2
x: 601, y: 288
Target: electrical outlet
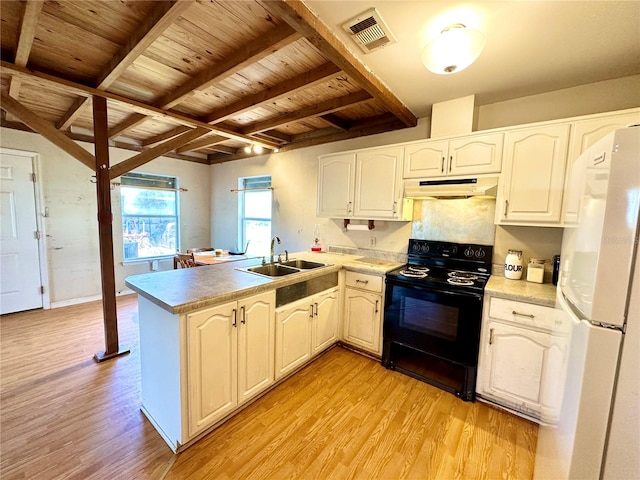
x: 372, y: 241
x: 154, y: 265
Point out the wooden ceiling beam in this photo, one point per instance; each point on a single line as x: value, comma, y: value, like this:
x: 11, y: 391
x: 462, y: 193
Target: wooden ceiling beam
x: 201, y: 143
x: 165, y: 136
x: 336, y: 121
x: 276, y: 135
x: 329, y: 106
x: 306, y: 80
x: 380, y: 124
x: 27, y: 32
x: 73, y: 112
x: 28, y: 26
x: 47, y: 130
x: 129, y: 122
x: 252, y: 52
x: 156, y: 22
x: 303, y: 20
x: 140, y: 107
x: 155, y: 152
x: 248, y: 54
x: 224, y: 149
x: 135, y: 148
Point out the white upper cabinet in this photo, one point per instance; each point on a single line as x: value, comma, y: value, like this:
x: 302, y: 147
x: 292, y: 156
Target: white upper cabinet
x: 378, y: 188
x: 365, y: 185
x: 425, y: 159
x: 459, y: 156
x: 533, y: 176
x: 584, y: 134
x: 336, y: 182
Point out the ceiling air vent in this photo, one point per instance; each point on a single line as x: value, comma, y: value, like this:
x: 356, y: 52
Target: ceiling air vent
x: 369, y: 31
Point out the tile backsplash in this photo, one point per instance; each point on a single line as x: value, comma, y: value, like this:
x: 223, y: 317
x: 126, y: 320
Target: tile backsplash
x: 471, y: 220
x: 460, y: 220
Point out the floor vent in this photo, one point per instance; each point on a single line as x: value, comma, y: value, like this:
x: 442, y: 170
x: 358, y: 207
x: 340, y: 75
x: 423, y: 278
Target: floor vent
x: 369, y: 31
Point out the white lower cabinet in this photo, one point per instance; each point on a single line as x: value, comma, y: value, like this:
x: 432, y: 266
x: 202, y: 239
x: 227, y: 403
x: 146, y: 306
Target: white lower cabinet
x: 305, y: 328
x: 522, y: 365
x: 363, y: 311
x: 230, y: 351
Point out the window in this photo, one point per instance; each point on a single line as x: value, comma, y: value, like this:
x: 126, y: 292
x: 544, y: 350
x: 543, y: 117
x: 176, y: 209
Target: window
x: 149, y: 215
x: 254, y: 203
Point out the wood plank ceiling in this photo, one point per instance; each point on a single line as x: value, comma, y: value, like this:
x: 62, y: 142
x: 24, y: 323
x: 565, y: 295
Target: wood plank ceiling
x: 196, y: 80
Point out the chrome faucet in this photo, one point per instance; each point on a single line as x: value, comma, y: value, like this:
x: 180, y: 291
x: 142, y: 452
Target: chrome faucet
x: 273, y: 242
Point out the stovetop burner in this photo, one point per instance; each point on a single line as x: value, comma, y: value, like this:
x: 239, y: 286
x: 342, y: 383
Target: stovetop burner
x: 418, y: 268
x: 459, y: 281
x: 411, y: 273
x: 448, y: 265
x: 457, y: 275
x: 415, y: 271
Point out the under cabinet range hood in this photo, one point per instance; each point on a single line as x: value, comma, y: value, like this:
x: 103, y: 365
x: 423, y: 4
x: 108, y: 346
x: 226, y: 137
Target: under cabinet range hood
x: 447, y: 188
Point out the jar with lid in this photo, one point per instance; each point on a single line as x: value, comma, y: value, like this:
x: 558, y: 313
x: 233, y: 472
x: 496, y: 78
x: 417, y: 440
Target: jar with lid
x: 535, y: 270
x: 513, y: 265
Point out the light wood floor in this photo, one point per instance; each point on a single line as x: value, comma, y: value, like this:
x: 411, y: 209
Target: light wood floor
x: 344, y: 416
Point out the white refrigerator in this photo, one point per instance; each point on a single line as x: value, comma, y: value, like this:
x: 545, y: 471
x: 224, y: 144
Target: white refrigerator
x: 598, y: 431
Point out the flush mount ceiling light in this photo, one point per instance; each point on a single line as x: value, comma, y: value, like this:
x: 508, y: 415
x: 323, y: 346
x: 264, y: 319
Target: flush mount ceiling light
x: 453, y: 50
x: 254, y: 148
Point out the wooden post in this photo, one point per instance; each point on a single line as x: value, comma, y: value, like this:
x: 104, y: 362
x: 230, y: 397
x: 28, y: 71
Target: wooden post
x: 105, y: 232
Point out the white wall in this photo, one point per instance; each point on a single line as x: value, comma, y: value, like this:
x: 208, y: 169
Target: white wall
x: 295, y: 176
x: 599, y: 97
x: 72, y: 227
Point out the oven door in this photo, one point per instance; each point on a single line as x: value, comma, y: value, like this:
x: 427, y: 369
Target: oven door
x: 439, y: 322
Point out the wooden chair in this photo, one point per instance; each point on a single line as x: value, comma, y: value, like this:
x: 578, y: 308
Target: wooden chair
x: 184, y: 260
x: 196, y: 250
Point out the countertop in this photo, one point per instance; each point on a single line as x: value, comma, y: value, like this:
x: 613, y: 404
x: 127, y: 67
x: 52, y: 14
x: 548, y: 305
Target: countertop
x: 190, y: 289
x: 521, y: 290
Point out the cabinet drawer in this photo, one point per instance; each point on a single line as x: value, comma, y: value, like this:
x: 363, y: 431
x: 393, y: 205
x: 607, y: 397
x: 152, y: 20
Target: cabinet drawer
x: 527, y: 314
x: 371, y: 283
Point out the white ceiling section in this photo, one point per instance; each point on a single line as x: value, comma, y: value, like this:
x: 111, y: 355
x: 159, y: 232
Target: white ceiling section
x: 532, y: 46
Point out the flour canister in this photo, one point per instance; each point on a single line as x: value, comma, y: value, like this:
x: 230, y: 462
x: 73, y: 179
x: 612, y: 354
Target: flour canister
x: 513, y: 265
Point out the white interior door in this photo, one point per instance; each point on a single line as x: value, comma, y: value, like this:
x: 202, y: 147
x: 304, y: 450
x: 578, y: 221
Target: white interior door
x: 20, y: 284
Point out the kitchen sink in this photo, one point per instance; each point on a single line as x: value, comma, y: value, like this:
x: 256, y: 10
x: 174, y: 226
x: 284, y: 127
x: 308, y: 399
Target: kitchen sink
x: 303, y: 264
x: 280, y: 269
x: 271, y: 270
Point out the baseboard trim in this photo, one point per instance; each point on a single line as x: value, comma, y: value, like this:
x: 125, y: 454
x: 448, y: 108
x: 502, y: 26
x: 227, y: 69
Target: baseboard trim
x: 92, y: 298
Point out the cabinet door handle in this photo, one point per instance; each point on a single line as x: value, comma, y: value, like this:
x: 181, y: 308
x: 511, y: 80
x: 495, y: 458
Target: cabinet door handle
x: 362, y: 281
x: 442, y: 167
x: 395, y: 207
x: 528, y: 315
x: 235, y: 317
x: 377, y: 305
x: 244, y: 319
x: 316, y: 309
x: 450, y: 162
x: 349, y: 207
x: 490, y: 336
x: 506, y: 208
x: 311, y: 314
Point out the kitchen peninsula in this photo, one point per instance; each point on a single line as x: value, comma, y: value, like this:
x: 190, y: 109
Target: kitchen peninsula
x: 212, y: 338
